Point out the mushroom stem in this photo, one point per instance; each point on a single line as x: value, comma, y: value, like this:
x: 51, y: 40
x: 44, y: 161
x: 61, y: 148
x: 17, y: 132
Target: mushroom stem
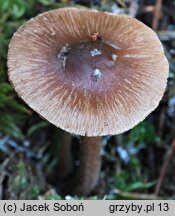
x: 65, y: 166
x: 87, y: 174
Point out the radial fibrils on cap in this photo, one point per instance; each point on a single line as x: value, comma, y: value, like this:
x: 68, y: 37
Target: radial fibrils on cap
x: 54, y: 58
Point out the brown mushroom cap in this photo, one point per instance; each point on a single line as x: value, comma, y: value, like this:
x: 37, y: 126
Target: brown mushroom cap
x: 89, y: 73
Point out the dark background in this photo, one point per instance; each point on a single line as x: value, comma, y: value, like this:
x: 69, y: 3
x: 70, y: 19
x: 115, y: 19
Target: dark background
x: 138, y: 164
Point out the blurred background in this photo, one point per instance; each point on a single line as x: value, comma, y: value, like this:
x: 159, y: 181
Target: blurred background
x: 139, y: 164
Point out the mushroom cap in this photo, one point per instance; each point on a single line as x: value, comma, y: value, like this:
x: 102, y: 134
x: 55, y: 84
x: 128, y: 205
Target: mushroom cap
x: 87, y: 72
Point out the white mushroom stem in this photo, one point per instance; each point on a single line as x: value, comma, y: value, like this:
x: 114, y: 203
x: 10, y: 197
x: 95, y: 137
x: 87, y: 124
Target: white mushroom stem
x: 88, y: 171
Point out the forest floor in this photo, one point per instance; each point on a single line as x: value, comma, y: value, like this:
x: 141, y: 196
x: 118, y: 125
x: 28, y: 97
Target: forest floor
x: 138, y: 164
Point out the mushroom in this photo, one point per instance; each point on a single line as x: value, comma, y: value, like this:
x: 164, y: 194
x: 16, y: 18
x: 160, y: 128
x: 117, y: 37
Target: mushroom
x: 89, y: 73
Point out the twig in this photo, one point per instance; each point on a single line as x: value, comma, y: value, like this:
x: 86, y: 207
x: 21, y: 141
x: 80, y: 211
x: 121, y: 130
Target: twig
x: 169, y: 157
x: 122, y: 3
x: 129, y: 195
x: 157, y: 14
